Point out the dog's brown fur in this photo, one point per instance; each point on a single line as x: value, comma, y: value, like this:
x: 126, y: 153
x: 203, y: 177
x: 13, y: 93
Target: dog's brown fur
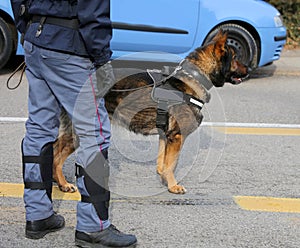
x: 137, y: 111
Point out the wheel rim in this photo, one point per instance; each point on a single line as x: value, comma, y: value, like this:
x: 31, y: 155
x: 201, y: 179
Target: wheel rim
x: 241, y: 48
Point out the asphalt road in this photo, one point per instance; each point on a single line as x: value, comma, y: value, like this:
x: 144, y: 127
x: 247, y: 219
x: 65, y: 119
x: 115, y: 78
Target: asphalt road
x: 219, y: 168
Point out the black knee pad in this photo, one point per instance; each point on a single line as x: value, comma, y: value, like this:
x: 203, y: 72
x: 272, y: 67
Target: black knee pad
x: 96, y: 176
x: 45, y: 160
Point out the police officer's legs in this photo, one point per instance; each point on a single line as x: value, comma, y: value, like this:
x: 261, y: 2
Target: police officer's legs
x: 93, y: 226
x: 76, y: 92
x: 37, y: 151
x: 91, y: 124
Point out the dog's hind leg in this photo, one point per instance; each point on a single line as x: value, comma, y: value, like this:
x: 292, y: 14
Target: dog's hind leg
x: 172, y: 151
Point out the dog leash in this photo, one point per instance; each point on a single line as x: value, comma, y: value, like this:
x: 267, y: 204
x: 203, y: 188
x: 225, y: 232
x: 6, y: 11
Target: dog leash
x: 155, y: 82
x: 22, y: 67
x: 133, y: 89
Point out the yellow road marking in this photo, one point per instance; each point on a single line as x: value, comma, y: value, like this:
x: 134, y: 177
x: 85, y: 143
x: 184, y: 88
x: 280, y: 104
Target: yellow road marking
x: 16, y: 190
x: 260, y: 131
x: 268, y: 204
x: 252, y: 203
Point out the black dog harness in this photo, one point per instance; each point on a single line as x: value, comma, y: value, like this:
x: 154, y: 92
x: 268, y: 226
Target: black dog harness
x: 166, y: 96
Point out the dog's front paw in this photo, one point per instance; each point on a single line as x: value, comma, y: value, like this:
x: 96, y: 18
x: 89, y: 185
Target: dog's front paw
x: 177, y: 189
x: 70, y: 188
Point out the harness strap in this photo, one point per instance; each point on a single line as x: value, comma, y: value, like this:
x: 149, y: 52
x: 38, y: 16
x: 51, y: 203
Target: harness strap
x: 192, y: 100
x: 166, y: 96
x: 162, y: 117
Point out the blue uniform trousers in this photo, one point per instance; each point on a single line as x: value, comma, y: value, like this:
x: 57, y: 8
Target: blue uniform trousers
x: 62, y: 80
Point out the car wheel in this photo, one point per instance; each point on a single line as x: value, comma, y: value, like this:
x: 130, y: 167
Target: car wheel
x: 6, y: 43
x: 242, y: 42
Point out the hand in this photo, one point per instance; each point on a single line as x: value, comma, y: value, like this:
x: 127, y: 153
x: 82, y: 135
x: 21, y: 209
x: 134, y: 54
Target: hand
x: 105, y: 79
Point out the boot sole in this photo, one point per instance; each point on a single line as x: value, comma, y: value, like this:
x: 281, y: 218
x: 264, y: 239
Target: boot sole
x: 85, y: 244
x: 41, y: 234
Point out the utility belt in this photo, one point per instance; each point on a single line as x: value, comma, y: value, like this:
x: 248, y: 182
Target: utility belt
x: 58, y: 21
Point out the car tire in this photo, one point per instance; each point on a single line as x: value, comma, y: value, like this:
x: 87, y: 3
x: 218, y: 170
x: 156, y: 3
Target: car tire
x: 6, y: 43
x: 242, y: 42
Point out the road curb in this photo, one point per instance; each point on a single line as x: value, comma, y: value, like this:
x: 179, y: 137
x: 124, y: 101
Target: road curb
x: 277, y: 72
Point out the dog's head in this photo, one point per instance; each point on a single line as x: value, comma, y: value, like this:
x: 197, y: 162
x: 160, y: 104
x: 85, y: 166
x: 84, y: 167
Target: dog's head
x: 219, y: 61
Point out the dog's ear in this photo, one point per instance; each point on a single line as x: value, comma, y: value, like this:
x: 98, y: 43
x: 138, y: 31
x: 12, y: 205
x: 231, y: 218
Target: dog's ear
x: 220, y: 40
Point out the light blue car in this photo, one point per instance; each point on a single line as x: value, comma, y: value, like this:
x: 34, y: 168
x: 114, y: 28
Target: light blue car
x: 168, y: 30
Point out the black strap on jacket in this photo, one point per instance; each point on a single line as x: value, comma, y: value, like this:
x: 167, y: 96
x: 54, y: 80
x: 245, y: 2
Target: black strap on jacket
x: 63, y: 22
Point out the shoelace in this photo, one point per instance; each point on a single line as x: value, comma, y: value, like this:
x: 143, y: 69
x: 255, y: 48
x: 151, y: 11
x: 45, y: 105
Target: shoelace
x: 114, y: 229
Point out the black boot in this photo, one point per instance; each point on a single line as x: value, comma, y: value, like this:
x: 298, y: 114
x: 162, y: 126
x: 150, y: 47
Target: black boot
x: 110, y: 237
x: 39, y: 228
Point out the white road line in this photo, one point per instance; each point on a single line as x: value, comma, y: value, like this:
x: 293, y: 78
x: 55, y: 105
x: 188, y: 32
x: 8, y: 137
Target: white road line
x: 12, y: 119
x: 209, y: 124
x: 250, y: 125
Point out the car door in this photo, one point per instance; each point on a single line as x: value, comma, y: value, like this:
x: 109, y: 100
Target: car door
x: 154, y: 25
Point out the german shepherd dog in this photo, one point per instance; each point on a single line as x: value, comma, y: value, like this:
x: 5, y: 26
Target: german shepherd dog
x: 216, y: 63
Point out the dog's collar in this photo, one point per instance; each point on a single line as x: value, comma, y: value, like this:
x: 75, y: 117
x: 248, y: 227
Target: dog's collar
x: 196, y: 73
x: 192, y: 76
x: 187, y: 73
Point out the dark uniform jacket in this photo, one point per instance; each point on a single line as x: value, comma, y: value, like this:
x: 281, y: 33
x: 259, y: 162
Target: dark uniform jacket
x: 92, y: 37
